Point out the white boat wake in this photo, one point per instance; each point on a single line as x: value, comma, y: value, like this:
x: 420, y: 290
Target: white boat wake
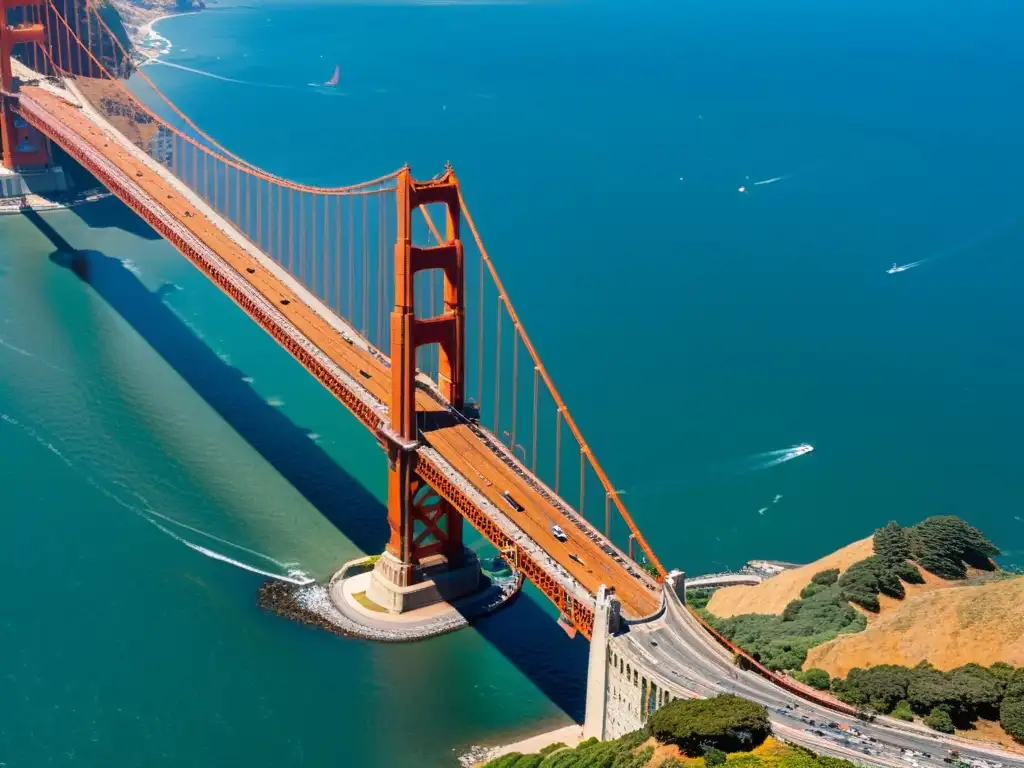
x: 293, y: 574
x: 896, y: 268
x: 784, y: 455
x: 770, y: 181
x: 965, y: 245
x: 222, y: 78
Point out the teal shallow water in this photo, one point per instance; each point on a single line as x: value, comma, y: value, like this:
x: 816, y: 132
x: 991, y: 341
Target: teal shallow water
x: 131, y: 388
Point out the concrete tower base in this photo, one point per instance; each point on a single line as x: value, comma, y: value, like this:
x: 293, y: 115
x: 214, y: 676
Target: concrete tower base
x: 393, y: 588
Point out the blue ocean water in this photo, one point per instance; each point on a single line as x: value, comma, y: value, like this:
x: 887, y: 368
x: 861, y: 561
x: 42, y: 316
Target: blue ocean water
x: 689, y: 326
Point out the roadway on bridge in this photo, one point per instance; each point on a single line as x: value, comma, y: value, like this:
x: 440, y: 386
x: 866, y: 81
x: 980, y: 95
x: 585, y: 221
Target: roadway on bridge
x: 486, y: 466
x: 683, y: 651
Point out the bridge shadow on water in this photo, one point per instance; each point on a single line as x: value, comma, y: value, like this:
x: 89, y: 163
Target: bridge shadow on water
x: 525, y: 634
x: 286, y: 446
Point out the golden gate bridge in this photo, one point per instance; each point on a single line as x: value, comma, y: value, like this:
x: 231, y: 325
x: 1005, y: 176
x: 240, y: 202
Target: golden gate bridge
x: 376, y: 291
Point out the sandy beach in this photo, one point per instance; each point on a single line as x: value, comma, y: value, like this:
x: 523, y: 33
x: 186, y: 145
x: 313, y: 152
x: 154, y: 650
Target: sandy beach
x: 570, y: 735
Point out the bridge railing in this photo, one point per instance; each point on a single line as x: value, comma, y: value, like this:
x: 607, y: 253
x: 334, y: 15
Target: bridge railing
x: 338, y: 242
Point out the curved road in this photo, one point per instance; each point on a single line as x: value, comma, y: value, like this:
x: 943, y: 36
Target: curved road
x: 685, y: 653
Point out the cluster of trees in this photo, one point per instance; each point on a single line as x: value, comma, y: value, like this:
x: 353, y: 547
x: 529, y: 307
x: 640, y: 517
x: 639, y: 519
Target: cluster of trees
x: 944, y: 699
x: 782, y: 642
x: 944, y: 545
x: 727, y: 723
x: 722, y: 721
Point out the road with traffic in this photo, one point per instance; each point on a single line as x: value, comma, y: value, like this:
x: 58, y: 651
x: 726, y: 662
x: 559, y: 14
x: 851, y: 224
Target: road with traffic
x: 679, y: 648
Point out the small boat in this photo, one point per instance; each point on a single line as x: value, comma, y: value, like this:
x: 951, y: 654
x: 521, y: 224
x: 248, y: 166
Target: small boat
x: 335, y: 78
x: 802, y: 449
x: 743, y: 189
x: 894, y: 269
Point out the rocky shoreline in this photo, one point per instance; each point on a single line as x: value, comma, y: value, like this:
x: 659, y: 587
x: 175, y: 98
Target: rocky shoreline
x: 137, y: 16
x: 312, y: 605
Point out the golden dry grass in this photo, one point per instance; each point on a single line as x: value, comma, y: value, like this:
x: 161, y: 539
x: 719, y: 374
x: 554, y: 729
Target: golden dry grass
x: 773, y: 595
x: 945, y: 623
x: 986, y: 730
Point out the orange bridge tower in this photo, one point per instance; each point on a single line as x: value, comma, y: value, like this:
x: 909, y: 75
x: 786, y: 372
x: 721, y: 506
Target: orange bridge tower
x: 22, y: 145
x: 425, y: 560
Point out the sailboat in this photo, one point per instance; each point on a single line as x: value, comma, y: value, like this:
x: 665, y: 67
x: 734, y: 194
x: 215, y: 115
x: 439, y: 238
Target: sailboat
x: 333, y: 82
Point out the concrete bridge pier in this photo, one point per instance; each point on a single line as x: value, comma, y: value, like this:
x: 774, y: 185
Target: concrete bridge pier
x: 606, y: 623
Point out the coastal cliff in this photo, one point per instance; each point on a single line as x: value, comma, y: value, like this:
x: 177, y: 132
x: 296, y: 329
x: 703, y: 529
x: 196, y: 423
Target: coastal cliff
x: 135, y: 15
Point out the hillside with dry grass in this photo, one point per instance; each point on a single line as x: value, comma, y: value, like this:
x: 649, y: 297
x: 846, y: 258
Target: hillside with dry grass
x: 773, y: 595
x: 946, y: 623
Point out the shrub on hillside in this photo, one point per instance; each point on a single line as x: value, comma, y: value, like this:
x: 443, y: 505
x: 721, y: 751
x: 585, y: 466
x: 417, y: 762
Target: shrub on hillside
x: 940, y: 720
x: 725, y: 722
x: 860, y: 584
x: 825, y: 578
x: 698, y: 598
x: 902, y: 711
x: 782, y: 642
x: 1011, y: 718
x: 945, y: 545
x: 817, y: 678
x: 713, y: 757
x: 1011, y: 711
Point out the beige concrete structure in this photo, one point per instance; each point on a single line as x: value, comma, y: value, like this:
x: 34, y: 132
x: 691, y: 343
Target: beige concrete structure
x: 394, y: 587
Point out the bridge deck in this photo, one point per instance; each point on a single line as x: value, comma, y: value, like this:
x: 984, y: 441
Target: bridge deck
x: 481, y: 462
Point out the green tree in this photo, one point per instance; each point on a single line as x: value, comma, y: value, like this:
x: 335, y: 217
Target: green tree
x: 817, y: 678
x: 1011, y: 711
x: 713, y: 757
x: 977, y: 691
x: 880, y: 687
x: 930, y: 688
x: 945, y: 545
x: 940, y: 720
x: 860, y: 583
x: 1011, y: 718
x: 725, y: 722
x: 902, y: 711
x: 826, y: 578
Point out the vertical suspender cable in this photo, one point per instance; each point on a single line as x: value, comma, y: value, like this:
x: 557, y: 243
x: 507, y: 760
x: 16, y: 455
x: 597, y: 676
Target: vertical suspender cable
x: 216, y: 198
x: 312, y: 248
x: 325, y: 258
x: 536, y: 391
x: 245, y: 205
x: 337, y: 254
x: 480, y: 340
x: 515, y: 383
x: 280, y: 228
x: 302, y: 238
x: 352, y: 260
x: 380, y: 271
x: 366, y: 272
x: 291, y: 235
x: 497, y: 373
x: 583, y: 476
x: 259, y: 212
x: 558, y: 447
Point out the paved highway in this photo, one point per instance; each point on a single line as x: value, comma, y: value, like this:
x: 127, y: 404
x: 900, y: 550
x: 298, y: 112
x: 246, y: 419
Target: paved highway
x: 679, y: 648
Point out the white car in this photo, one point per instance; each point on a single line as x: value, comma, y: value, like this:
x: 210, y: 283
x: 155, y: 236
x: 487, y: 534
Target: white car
x: 559, y: 533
